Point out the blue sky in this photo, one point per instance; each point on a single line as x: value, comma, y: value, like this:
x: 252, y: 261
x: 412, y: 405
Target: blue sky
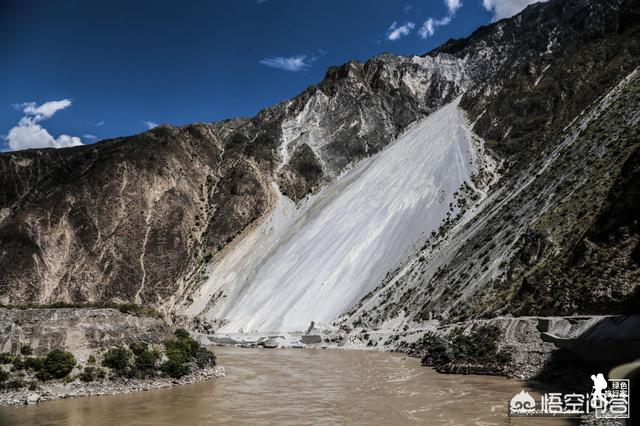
x: 108, y: 68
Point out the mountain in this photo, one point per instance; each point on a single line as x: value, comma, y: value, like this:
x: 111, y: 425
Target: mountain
x: 497, y: 174
x: 139, y: 218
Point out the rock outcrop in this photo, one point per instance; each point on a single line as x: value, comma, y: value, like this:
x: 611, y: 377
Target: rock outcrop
x: 83, y: 332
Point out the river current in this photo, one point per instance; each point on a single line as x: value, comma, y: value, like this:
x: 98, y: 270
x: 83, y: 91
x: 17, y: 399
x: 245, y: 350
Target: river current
x: 298, y: 387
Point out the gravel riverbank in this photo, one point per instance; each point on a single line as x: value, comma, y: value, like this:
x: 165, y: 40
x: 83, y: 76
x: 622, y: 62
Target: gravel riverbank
x: 51, y: 391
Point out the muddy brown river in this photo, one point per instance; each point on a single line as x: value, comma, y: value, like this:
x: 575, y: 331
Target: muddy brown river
x: 297, y: 387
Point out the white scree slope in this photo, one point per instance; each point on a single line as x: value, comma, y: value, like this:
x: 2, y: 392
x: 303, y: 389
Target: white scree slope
x: 313, y: 262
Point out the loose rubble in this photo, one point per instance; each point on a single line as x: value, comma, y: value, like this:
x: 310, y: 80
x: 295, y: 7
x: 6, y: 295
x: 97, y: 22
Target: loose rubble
x: 52, y: 391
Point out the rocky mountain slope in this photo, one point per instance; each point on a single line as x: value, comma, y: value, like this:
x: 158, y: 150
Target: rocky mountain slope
x: 249, y: 222
x: 532, y: 248
x: 139, y: 218
x: 353, y: 231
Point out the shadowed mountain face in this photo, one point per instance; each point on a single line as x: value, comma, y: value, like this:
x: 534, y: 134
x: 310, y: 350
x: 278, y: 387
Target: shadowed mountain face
x: 115, y: 221
x: 551, y: 91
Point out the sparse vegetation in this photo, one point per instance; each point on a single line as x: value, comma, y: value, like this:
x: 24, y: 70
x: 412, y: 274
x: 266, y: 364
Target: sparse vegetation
x: 126, y: 308
x: 183, y: 350
x: 139, y: 360
x: 117, y: 360
x: 56, y: 365
x: 145, y: 360
x: 91, y: 373
x: 459, y: 348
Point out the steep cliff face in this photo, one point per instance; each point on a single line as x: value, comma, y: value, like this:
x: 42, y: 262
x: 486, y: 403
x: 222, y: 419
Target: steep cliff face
x: 313, y: 262
x: 544, y: 67
x: 224, y: 221
x: 520, y: 253
x: 567, y: 137
x: 121, y: 220
x: 140, y: 218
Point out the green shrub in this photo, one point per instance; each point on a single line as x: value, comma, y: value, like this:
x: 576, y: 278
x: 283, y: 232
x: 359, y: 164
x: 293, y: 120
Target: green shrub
x: 117, y: 359
x: 138, y: 347
x: 7, y: 358
x: 437, y: 350
x: 18, y: 363
x: 181, y: 333
x: 100, y: 373
x: 88, y: 374
x: 14, y: 384
x: 174, y: 368
x: 4, y: 376
x: 91, y: 360
x: 26, y: 350
x: 145, y: 361
x: 33, y: 363
x: 477, y: 346
x: 58, y: 364
x: 204, y: 358
x: 183, y: 350
x: 145, y: 364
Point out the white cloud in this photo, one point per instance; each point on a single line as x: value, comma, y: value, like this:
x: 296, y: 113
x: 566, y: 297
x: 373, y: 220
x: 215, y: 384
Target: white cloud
x: 293, y: 63
x: 429, y: 26
x: 100, y: 123
x: 427, y: 29
x: 44, y: 111
x: 150, y: 124
x: 89, y: 136
x: 396, y: 32
x: 35, y: 136
x: 453, y: 5
x: 30, y: 134
x: 506, y: 8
